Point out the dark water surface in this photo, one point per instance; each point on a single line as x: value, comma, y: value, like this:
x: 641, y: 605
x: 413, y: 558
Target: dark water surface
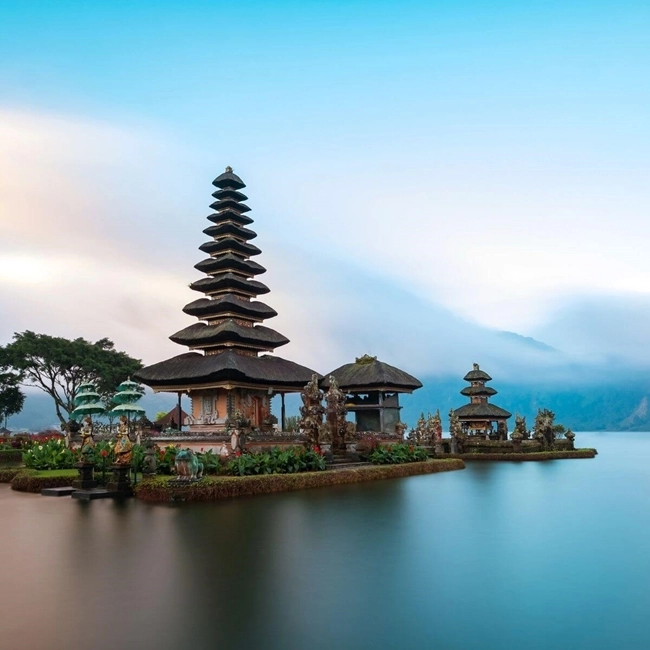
x: 525, y: 556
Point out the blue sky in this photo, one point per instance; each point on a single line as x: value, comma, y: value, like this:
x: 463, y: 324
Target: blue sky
x: 422, y: 174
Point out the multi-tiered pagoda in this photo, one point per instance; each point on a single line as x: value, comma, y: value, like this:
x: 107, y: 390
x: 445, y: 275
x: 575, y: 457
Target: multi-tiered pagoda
x: 479, y: 417
x: 224, y: 372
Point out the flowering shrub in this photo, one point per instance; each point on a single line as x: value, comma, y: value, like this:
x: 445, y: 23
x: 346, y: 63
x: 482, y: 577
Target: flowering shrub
x: 399, y: 453
x: 166, y: 458
x: 277, y: 461
x: 51, y: 454
x: 367, y: 444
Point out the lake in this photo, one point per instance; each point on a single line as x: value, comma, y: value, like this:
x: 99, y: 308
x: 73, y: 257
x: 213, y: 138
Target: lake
x: 528, y: 556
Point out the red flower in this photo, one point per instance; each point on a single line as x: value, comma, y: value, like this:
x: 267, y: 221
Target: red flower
x: 317, y: 449
x: 104, y: 453
x: 238, y: 454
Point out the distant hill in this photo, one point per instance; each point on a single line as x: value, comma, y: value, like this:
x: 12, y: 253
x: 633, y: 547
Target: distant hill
x: 617, y: 406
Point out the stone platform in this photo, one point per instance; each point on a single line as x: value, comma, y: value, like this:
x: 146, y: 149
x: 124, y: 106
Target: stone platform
x: 58, y: 491
x: 97, y: 493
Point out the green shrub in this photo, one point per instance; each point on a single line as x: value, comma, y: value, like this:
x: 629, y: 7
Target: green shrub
x: 52, y: 454
x: 277, y: 461
x: 166, y: 459
x: 35, y: 481
x: 211, y: 488
x: 396, y: 454
x: 11, y: 456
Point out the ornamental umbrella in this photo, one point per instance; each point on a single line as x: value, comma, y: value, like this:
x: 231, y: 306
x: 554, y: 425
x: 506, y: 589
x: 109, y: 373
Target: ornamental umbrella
x: 87, y: 403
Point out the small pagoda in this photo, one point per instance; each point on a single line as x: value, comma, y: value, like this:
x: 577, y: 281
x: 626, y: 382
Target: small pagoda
x: 225, y: 373
x: 372, y: 388
x: 479, y: 417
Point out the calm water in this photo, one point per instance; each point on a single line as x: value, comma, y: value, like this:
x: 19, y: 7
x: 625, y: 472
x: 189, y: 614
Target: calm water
x: 525, y: 556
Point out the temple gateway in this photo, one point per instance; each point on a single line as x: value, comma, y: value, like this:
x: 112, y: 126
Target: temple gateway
x: 225, y: 373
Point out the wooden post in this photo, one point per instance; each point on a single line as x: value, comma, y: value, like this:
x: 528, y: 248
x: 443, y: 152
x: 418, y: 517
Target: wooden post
x: 283, y: 413
x: 180, y: 423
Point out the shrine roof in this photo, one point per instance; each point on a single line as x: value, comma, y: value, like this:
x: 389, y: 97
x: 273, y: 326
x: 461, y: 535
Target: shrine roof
x: 229, y: 215
x: 229, y: 261
x: 367, y: 373
x: 229, y: 331
x: 471, y: 391
x: 476, y: 374
x: 229, y: 179
x: 225, y: 281
x: 482, y: 412
x: 193, y: 368
x: 229, y: 303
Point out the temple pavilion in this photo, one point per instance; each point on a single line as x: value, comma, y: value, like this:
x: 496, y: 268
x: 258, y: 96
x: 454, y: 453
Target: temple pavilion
x: 479, y: 417
x: 373, y: 389
x: 226, y: 369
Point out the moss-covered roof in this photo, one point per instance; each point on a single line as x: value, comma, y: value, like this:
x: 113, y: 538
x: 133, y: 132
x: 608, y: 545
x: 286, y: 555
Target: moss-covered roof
x: 482, y: 412
x: 193, y: 368
x: 367, y: 373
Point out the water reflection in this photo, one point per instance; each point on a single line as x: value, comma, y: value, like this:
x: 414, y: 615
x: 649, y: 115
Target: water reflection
x: 522, y: 555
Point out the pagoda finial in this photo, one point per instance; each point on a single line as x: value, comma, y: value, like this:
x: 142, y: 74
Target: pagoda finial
x: 475, y: 366
x: 228, y: 169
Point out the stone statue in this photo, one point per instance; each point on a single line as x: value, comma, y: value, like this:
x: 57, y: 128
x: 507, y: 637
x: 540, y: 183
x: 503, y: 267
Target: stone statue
x: 400, y: 428
x: 188, y: 466
x: 502, y: 430
x: 87, y: 441
x: 435, y: 427
x: 545, y: 428
x: 336, y: 412
x: 456, y: 431
x: 123, y: 446
x: 570, y: 436
x: 520, y: 431
x: 311, y: 411
x: 149, y: 461
x: 419, y: 435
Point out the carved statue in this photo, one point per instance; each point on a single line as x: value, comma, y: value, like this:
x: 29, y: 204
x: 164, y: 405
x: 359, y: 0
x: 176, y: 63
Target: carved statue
x: 545, y: 428
x: 400, y: 428
x: 123, y: 446
x: 188, y: 466
x: 336, y: 412
x: 520, y: 431
x: 570, y: 436
x: 419, y: 435
x: 87, y: 440
x: 149, y: 461
x: 311, y: 412
x: 456, y: 431
x: 502, y: 430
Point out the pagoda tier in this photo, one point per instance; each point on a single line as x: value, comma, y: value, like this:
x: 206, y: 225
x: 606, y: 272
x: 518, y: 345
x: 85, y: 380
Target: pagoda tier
x: 229, y: 305
x: 227, y: 245
x: 230, y: 229
x: 226, y: 368
x: 230, y: 204
x: 230, y: 193
x: 230, y: 262
x: 231, y: 283
x: 478, y: 417
x: 230, y: 215
x: 226, y: 373
x: 229, y: 333
x: 478, y: 391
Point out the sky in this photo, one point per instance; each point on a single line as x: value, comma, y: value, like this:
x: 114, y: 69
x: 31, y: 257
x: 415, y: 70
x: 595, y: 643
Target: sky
x: 423, y: 176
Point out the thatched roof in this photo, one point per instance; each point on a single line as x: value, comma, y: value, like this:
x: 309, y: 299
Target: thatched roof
x: 473, y: 391
x: 229, y: 281
x: 230, y: 228
x: 229, y: 215
x: 229, y: 303
x: 229, y: 193
x: 229, y: 179
x: 230, y: 204
x: 229, y: 261
x: 201, y: 334
x: 229, y: 245
x: 476, y: 374
x: 369, y: 374
x: 482, y: 412
x: 193, y: 368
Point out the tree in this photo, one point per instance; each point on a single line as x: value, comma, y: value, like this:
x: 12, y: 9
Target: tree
x: 59, y: 366
x: 12, y: 398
